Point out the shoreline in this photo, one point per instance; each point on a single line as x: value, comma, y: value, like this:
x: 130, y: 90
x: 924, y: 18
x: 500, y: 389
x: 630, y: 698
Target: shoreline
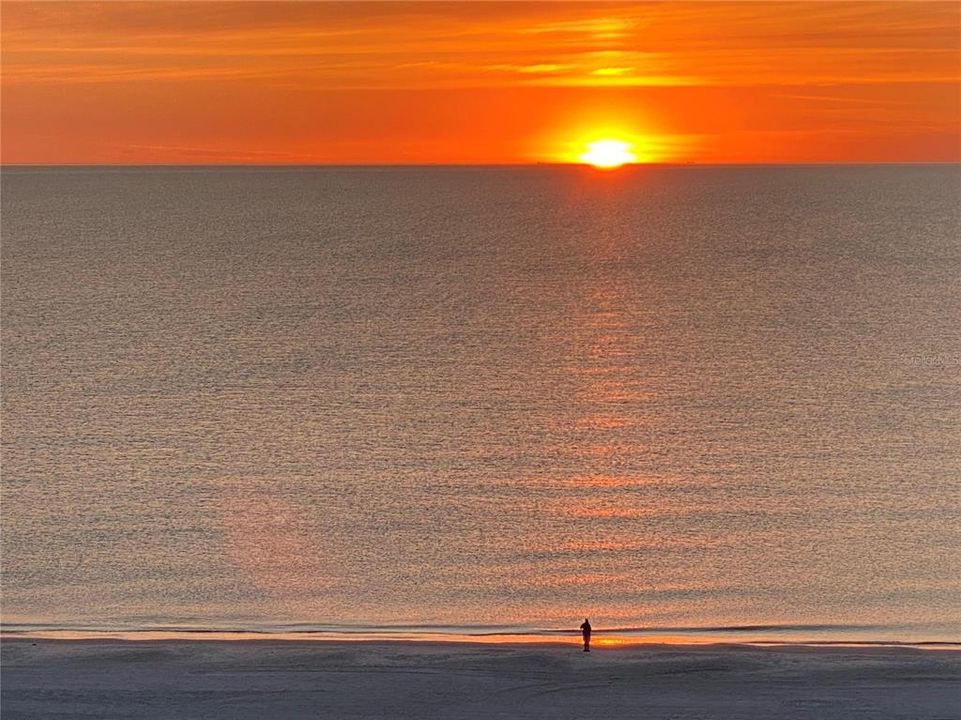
x: 926, y: 635
x: 571, y: 638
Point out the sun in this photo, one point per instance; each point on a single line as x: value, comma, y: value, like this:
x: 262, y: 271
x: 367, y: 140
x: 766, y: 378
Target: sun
x: 608, y: 153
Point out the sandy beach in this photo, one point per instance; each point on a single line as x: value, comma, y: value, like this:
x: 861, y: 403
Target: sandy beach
x: 330, y: 679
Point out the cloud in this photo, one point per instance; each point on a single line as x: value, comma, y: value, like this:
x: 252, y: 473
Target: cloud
x: 419, y: 45
x: 612, y: 71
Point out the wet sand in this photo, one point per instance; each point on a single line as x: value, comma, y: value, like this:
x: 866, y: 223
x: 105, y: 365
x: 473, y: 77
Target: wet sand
x: 329, y: 679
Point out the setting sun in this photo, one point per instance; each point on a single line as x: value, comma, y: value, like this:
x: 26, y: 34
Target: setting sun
x: 608, y: 154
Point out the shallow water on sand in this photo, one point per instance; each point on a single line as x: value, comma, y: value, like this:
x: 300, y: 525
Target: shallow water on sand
x: 366, y: 397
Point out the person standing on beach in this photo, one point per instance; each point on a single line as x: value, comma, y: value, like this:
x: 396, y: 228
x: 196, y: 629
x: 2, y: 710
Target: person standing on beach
x: 586, y: 632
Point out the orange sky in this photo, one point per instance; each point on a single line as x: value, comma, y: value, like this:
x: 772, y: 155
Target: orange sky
x: 479, y: 82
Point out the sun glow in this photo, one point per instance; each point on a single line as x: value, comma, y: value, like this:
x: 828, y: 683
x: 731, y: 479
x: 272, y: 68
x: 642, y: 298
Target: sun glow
x: 608, y: 153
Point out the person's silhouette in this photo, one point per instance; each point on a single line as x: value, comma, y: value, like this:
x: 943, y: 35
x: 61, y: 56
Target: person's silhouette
x: 586, y: 632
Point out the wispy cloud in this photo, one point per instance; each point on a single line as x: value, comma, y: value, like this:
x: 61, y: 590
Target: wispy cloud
x: 417, y: 45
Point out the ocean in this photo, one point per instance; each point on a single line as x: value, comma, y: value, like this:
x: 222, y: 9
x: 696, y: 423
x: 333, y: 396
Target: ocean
x: 693, y: 401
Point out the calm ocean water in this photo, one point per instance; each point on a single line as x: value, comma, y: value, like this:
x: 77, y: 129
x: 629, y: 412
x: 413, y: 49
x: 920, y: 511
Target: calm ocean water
x: 666, y: 398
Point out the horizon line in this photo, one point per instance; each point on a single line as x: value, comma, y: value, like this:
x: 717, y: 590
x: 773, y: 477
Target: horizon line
x: 537, y: 164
